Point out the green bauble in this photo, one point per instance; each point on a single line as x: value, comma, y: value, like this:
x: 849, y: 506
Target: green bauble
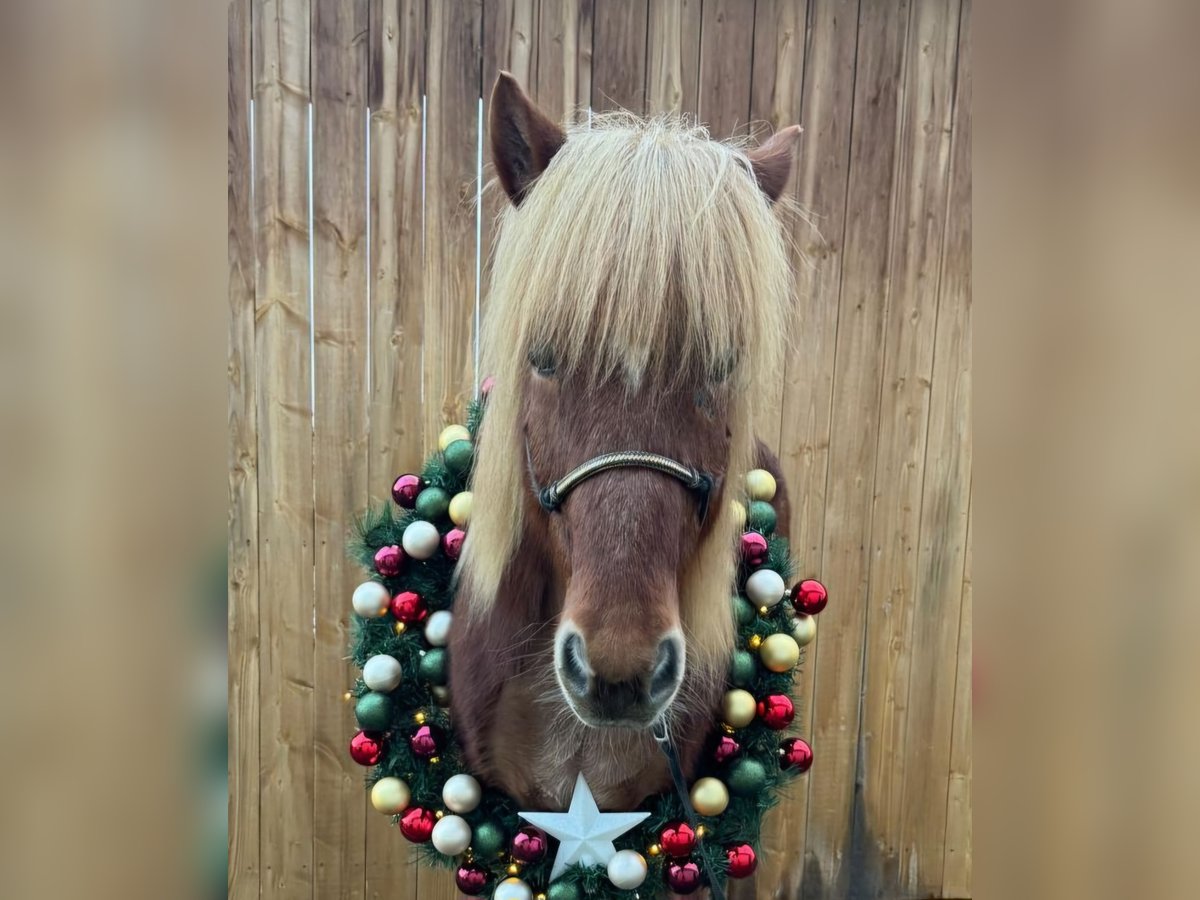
x: 374, y: 711
x: 743, y: 610
x: 742, y: 669
x: 747, y: 777
x: 761, y: 516
x: 488, y: 840
x: 563, y: 890
x: 435, y: 665
x: 458, y: 457
x: 432, y: 504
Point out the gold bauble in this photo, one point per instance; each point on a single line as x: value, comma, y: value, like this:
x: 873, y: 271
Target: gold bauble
x: 760, y: 484
x: 419, y: 717
x: 755, y: 641
x: 460, y: 508
x: 347, y: 697
x: 400, y: 628
x: 653, y: 850
x: 513, y: 869
x: 710, y: 797
x: 804, y: 629
x: 737, y: 708
x: 390, y: 796
x: 739, y: 514
x: 699, y: 831
x: 451, y: 434
x: 779, y: 653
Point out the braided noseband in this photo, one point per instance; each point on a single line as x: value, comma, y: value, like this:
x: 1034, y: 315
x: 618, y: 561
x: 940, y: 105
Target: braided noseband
x: 552, y: 495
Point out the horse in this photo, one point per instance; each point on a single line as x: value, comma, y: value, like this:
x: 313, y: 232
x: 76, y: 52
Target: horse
x: 639, y: 299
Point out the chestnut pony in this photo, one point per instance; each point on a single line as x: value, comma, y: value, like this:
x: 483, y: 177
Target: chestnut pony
x: 640, y: 291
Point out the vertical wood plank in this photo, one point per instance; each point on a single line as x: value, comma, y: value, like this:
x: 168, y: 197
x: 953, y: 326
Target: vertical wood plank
x: 937, y: 592
x: 918, y: 229
x: 563, y: 81
x: 285, y: 489
x: 838, y: 849
x: 726, y: 64
x: 619, y: 58
x: 786, y: 72
x: 510, y: 42
x: 956, y: 872
x: 396, y: 444
x: 673, y: 39
x: 454, y: 54
x: 339, y: 32
x: 243, y: 479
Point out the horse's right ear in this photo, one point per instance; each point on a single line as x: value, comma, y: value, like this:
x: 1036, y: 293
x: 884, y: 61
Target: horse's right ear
x: 524, y: 139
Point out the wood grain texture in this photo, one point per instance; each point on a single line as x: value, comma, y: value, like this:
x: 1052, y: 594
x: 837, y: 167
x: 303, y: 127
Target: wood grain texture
x: 396, y: 443
x: 563, y: 81
x: 838, y: 844
x: 673, y: 63
x: 726, y: 45
x: 243, y: 612
x: 454, y: 60
x: 896, y: 600
x: 339, y: 247
x: 619, y: 55
x: 956, y: 871
x: 285, y: 490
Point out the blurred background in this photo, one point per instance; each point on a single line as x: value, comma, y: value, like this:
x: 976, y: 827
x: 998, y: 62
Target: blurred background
x: 118, y: 444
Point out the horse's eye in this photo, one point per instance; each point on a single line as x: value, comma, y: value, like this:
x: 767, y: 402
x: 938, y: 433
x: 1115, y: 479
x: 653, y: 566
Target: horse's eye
x: 542, y: 360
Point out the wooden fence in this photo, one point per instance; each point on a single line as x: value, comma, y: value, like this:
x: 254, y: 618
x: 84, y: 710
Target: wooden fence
x: 354, y: 155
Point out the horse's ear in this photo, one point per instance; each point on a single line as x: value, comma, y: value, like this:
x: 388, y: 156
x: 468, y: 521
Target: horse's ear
x: 524, y: 139
x: 772, y: 162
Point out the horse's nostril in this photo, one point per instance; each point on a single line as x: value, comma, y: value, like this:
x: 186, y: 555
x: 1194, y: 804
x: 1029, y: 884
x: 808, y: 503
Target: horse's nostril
x: 574, y: 665
x: 613, y: 698
x: 668, y: 668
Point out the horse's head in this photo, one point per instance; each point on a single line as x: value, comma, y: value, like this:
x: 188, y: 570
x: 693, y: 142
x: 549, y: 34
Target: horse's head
x: 638, y: 298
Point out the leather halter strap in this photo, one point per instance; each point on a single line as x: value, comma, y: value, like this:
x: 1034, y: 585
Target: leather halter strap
x: 552, y: 495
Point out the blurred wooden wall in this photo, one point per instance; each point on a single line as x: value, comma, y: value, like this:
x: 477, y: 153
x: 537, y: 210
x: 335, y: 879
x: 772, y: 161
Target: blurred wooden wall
x: 354, y: 155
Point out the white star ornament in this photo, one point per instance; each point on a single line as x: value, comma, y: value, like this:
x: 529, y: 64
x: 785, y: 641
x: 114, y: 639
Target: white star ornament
x: 585, y: 834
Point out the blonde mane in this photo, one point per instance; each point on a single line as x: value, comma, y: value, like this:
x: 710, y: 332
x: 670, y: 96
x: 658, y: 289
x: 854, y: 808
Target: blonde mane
x: 645, y: 250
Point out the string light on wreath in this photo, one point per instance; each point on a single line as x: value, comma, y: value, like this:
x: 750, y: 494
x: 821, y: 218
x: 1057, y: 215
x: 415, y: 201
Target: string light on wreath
x: 410, y: 548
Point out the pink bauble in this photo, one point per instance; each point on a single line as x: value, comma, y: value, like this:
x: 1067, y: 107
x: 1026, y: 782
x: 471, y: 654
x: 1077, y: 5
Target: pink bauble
x: 529, y: 845
x: 405, y: 490
x: 389, y: 561
x: 754, y: 548
x: 452, y: 542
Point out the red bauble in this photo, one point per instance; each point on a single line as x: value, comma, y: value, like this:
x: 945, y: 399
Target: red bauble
x: 742, y: 860
x: 727, y: 748
x: 795, y: 753
x: 776, y: 711
x: 405, y: 490
x: 683, y: 877
x: 754, y: 548
x: 389, y: 561
x: 452, y: 542
x: 678, y: 839
x: 366, y: 748
x: 529, y: 845
x: 408, y: 607
x: 471, y: 879
x: 809, y: 597
x: 426, y: 741
x: 488, y: 384
x: 416, y: 824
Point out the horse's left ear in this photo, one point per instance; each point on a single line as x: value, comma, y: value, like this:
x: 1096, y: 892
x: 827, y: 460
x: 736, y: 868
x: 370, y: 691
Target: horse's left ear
x: 772, y: 162
x: 524, y: 139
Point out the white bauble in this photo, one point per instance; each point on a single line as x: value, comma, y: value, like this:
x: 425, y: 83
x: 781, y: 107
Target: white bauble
x: 627, y: 869
x: 370, y: 600
x: 391, y: 796
x: 760, y: 484
x: 804, y: 629
x: 421, y: 540
x: 437, y: 628
x: 512, y: 889
x: 452, y: 433
x: 765, y: 587
x: 451, y: 835
x: 461, y: 793
x: 382, y: 673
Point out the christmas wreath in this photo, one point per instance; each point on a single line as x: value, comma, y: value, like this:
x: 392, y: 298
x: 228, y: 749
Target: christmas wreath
x: 402, y: 619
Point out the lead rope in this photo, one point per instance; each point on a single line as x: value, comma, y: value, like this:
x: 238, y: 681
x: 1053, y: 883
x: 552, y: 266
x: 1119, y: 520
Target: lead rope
x: 663, y: 738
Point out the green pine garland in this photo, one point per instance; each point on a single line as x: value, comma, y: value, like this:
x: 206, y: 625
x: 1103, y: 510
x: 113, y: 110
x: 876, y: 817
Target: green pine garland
x: 740, y: 823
